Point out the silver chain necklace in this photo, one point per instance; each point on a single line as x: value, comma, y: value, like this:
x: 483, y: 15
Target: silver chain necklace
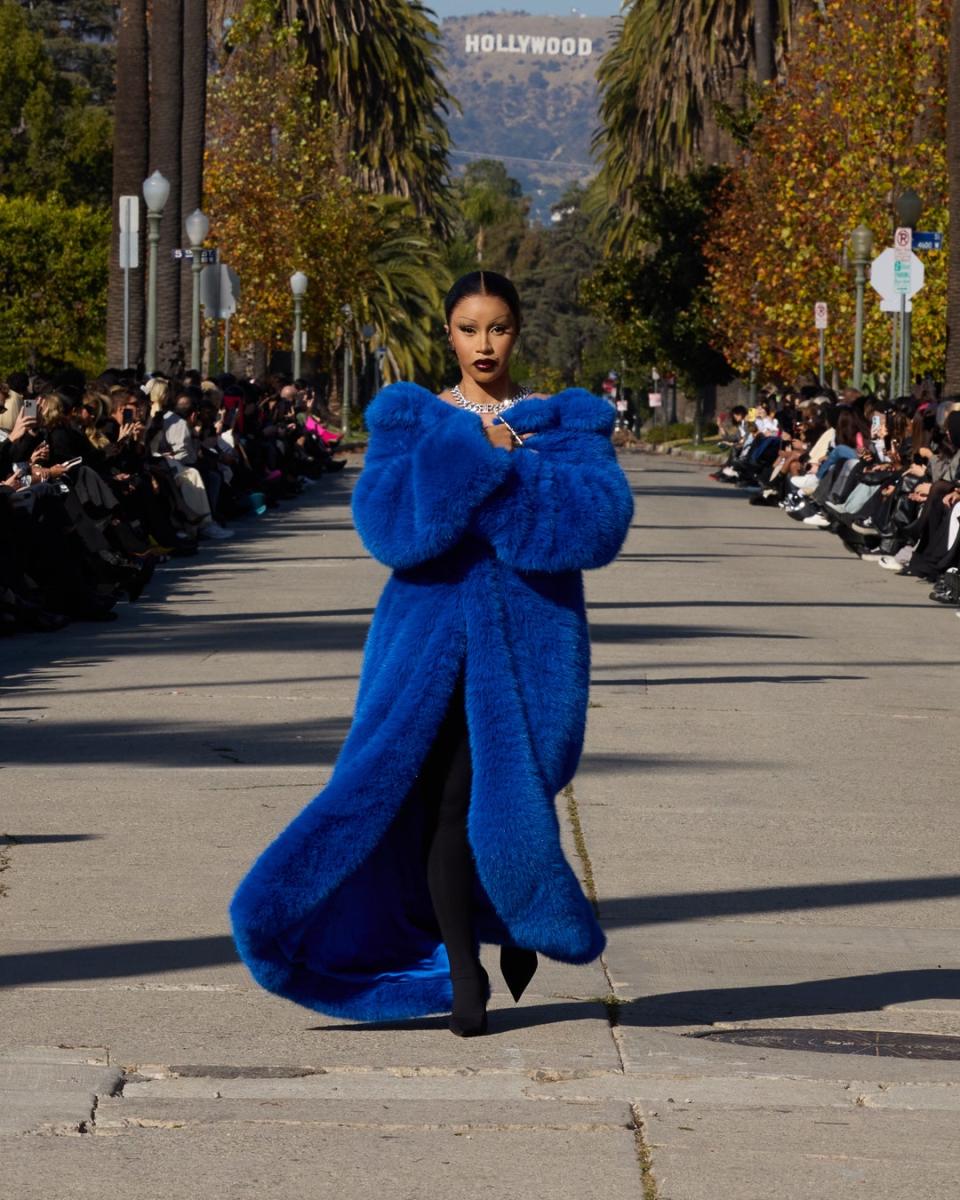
x: 492, y: 407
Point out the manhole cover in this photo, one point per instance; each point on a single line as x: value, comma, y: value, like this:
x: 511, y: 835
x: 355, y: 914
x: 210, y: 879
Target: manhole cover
x: 843, y: 1041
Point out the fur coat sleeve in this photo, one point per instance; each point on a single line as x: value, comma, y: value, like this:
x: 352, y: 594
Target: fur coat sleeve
x: 486, y: 548
x: 558, y: 503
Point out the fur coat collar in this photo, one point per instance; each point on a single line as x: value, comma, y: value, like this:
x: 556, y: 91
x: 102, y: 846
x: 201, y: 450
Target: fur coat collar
x: 486, y: 549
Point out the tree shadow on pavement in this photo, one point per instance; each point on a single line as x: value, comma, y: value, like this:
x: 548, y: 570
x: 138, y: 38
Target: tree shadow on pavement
x: 809, y: 998
x: 122, y: 959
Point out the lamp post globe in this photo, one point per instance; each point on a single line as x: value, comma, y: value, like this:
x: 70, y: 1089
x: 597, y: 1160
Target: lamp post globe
x: 156, y: 191
x: 861, y: 246
x: 197, y: 226
x: 908, y: 208
x: 298, y: 285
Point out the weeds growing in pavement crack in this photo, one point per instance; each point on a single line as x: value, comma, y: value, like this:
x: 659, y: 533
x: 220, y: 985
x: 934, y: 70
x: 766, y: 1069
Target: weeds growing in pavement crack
x: 644, y: 1156
x: 580, y: 843
x: 611, y: 1002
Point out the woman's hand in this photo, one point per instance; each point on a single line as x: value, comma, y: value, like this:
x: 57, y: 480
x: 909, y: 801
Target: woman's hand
x: 500, y: 436
x: 23, y: 425
x: 41, y: 453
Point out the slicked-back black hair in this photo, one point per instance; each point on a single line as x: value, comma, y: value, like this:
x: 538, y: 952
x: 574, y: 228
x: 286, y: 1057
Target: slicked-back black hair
x: 483, y: 283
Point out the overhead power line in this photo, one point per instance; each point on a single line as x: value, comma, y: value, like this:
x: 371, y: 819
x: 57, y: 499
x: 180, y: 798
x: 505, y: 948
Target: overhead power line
x: 512, y: 158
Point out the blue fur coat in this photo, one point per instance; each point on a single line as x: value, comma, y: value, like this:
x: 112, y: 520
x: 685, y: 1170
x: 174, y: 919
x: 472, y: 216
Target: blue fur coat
x: 486, y: 548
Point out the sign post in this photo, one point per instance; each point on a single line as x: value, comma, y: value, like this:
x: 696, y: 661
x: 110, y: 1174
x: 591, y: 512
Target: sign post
x: 219, y: 292
x: 129, y: 260
x: 898, y: 274
x: 821, y: 318
x: 902, y: 256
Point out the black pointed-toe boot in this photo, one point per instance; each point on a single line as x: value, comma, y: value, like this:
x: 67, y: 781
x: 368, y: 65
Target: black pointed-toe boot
x: 518, y: 967
x: 470, y: 994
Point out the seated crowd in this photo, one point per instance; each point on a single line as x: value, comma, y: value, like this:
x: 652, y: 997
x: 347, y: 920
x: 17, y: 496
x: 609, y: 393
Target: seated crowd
x: 101, y: 481
x: 884, y: 476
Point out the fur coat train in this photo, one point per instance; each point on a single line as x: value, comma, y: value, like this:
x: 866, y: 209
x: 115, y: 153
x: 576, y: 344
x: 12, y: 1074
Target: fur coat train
x: 487, y: 548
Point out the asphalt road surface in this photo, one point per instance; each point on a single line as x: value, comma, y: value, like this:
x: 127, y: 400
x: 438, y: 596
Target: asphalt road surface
x: 766, y: 813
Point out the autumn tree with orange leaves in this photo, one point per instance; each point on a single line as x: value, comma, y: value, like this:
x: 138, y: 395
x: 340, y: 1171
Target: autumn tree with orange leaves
x: 860, y: 118
x: 278, y: 196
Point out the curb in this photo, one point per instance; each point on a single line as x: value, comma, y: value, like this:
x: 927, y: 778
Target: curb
x: 697, y: 457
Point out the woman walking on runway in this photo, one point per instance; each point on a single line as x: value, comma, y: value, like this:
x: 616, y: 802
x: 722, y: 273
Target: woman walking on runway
x: 438, y: 830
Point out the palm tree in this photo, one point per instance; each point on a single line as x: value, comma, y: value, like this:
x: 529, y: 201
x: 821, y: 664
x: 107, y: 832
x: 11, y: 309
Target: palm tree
x: 192, y: 132
x: 166, y: 108
x: 952, y: 384
x: 764, y: 39
x: 672, y: 63
x: 129, y: 169
x: 405, y: 283
x: 379, y: 66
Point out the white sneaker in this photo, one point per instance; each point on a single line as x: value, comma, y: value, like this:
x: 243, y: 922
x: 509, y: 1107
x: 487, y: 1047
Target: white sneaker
x: 818, y: 520
x: 873, y: 556
x: 215, y: 533
x: 889, y: 563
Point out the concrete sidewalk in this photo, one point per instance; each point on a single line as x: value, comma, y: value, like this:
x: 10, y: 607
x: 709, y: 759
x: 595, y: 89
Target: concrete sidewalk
x: 764, y: 813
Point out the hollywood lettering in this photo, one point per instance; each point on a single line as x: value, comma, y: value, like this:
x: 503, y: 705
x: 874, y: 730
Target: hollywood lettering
x: 525, y: 43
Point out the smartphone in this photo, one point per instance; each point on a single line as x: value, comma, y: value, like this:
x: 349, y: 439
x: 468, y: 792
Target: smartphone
x: 876, y: 421
x: 29, y: 408
x: 22, y: 469
x: 128, y: 416
x: 71, y: 463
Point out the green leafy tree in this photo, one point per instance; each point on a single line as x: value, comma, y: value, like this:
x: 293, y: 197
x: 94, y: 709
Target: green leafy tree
x: 655, y: 299
x: 53, y: 275
x: 491, y: 218
x: 51, y: 138
x: 78, y: 35
x: 563, y: 341
x: 378, y: 65
x: 276, y: 194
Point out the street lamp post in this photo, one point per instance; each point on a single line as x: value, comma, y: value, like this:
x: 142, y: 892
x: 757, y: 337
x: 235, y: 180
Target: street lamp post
x: 347, y: 312
x: 298, y: 285
x: 156, y: 189
x: 197, y: 226
x: 861, y: 245
x: 753, y: 357
x: 908, y: 208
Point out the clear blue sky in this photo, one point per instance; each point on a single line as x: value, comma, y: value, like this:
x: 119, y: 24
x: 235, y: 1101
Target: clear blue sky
x: 468, y: 8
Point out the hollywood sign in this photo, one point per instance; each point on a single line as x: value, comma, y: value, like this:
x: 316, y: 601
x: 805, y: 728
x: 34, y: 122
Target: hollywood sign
x: 525, y: 43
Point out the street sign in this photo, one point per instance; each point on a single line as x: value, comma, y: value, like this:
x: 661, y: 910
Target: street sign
x: 821, y: 315
x: 129, y: 214
x: 901, y: 276
x: 206, y: 256
x: 882, y: 275
x: 927, y: 241
x: 903, y: 242
x: 655, y: 399
x: 892, y: 304
x: 219, y: 291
